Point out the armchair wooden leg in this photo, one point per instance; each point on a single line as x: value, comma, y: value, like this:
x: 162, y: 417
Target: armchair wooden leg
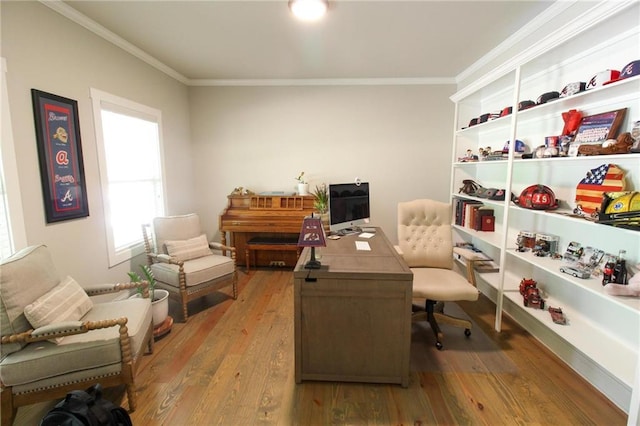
x: 7, y: 411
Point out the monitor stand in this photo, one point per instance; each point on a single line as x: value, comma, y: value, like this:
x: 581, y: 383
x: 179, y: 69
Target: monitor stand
x: 349, y: 231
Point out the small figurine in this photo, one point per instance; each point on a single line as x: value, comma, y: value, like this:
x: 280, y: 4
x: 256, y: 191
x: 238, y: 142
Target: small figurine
x: 557, y: 316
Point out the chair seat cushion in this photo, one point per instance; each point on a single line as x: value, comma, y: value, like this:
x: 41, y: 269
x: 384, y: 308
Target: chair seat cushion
x: 197, y: 271
x: 39, y: 361
x: 442, y: 285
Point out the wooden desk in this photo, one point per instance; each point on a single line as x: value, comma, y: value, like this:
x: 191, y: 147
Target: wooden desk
x: 352, y: 317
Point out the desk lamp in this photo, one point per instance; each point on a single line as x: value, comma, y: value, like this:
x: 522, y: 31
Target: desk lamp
x: 312, y: 235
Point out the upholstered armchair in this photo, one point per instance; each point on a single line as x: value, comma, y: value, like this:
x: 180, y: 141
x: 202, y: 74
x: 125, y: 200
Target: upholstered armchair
x: 183, y: 262
x: 426, y: 243
x: 55, y: 338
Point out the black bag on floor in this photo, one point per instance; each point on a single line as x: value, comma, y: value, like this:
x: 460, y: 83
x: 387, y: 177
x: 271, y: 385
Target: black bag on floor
x: 86, y: 408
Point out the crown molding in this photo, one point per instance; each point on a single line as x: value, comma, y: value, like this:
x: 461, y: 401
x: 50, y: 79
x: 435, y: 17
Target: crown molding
x: 327, y: 82
x: 529, y: 29
x: 82, y: 20
x: 598, y: 13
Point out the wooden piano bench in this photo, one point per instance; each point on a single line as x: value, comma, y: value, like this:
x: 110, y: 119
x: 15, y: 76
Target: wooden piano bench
x: 270, y: 243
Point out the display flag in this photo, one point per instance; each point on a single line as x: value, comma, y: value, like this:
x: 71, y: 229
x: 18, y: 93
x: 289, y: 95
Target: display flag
x: 604, y: 178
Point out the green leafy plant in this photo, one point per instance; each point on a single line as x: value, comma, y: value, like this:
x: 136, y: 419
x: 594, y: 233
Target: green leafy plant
x: 300, y: 178
x: 321, y: 195
x: 148, y: 276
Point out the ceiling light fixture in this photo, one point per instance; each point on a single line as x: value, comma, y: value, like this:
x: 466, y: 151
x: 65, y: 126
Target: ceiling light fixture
x: 308, y: 10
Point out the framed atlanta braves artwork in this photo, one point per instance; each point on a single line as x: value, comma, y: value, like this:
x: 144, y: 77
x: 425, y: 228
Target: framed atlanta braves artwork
x: 60, y: 156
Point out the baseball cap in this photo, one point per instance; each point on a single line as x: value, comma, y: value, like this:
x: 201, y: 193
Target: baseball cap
x: 525, y: 105
x: 629, y: 70
x: 601, y: 78
x: 506, y: 111
x: 548, y: 96
x: 573, y: 88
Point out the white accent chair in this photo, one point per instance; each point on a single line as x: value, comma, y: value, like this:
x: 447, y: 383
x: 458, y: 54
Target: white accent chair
x: 183, y: 262
x: 74, y: 343
x: 426, y: 243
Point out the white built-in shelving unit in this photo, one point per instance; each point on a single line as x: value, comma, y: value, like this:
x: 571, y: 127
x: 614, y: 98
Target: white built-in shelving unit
x: 602, y: 338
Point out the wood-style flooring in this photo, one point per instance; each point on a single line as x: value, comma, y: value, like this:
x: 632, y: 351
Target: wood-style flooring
x: 232, y: 363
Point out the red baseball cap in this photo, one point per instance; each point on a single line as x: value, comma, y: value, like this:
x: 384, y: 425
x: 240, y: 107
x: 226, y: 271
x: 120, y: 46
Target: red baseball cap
x: 629, y: 70
x: 601, y: 78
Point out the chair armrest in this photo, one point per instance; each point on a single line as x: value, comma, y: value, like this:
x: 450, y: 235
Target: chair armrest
x: 97, y: 289
x: 399, y: 250
x: 470, y: 257
x: 219, y: 246
x: 164, y: 258
x: 66, y: 328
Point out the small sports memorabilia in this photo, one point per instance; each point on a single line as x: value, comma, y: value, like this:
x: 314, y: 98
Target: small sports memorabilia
x: 604, y: 178
x: 600, y: 127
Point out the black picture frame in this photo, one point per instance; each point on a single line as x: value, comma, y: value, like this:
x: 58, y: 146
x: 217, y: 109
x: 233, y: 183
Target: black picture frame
x: 60, y: 156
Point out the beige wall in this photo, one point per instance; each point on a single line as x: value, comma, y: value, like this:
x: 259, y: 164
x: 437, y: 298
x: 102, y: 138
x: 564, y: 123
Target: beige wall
x: 48, y: 52
x: 398, y: 138
x: 216, y: 138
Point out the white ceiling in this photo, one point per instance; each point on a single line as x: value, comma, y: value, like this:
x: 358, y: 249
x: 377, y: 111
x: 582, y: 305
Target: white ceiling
x: 198, y: 41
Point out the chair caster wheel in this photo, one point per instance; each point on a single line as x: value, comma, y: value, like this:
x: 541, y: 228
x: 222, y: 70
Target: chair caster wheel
x: 467, y: 332
x: 439, y: 346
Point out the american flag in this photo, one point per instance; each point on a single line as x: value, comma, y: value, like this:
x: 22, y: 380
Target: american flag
x: 604, y: 178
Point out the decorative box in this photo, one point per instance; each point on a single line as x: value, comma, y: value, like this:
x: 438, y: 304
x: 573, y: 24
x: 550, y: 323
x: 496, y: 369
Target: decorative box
x: 527, y: 239
x: 546, y: 244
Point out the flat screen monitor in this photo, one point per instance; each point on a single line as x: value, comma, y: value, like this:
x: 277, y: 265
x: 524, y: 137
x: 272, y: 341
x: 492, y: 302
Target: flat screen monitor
x: 348, y: 206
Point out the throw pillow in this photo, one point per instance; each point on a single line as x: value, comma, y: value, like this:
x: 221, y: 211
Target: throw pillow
x: 65, y: 302
x: 192, y: 248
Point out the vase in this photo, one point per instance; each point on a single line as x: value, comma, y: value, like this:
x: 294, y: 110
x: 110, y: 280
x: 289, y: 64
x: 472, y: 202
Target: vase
x: 303, y: 189
x: 160, y: 306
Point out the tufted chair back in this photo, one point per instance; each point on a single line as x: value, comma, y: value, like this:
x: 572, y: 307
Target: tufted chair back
x: 424, y: 233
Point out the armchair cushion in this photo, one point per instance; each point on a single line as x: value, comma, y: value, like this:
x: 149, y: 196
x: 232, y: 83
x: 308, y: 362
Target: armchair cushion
x: 193, y: 248
x: 30, y: 268
x: 197, y: 271
x: 79, y: 356
x: 174, y: 228
x: 65, y: 302
x: 442, y: 284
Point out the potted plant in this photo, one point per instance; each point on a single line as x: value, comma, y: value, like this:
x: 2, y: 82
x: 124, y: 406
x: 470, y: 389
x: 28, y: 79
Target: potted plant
x: 159, y: 297
x: 303, y: 186
x: 321, y: 195
x: 321, y: 203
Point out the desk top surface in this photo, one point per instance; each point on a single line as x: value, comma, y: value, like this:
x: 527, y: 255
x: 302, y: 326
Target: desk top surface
x: 342, y: 258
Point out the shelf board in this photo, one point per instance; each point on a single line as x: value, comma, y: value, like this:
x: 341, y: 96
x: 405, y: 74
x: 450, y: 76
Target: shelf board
x: 593, y: 285
x: 606, y: 350
x: 492, y: 238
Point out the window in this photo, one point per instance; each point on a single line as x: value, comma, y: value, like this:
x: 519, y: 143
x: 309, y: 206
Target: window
x: 12, y: 230
x: 128, y: 136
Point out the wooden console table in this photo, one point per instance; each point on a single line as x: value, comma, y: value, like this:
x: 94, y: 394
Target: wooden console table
x: 352, y: 317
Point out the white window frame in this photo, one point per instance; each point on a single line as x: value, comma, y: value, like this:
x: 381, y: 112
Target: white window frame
x: 11, y: 198
x: 134, y: 109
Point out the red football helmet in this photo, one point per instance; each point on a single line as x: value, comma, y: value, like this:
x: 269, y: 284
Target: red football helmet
x: 537, y: 197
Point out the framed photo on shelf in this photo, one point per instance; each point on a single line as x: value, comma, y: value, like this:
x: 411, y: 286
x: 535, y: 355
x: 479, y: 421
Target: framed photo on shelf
x: 60, y: 156
x: 600, y: 127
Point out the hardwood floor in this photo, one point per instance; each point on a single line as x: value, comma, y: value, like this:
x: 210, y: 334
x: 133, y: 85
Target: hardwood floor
x: 232, y: 364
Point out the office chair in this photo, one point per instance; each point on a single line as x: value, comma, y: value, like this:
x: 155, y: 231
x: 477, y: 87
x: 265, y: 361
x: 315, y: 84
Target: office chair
x: 426, y: 244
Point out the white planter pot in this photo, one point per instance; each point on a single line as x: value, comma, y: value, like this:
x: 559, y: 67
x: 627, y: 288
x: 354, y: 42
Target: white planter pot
x: 303, y: 189
x: 160, y: 307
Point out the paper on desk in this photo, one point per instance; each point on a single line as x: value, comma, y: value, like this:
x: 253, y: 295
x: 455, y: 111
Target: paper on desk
x: 362, y: 245
x: 366, y: 235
